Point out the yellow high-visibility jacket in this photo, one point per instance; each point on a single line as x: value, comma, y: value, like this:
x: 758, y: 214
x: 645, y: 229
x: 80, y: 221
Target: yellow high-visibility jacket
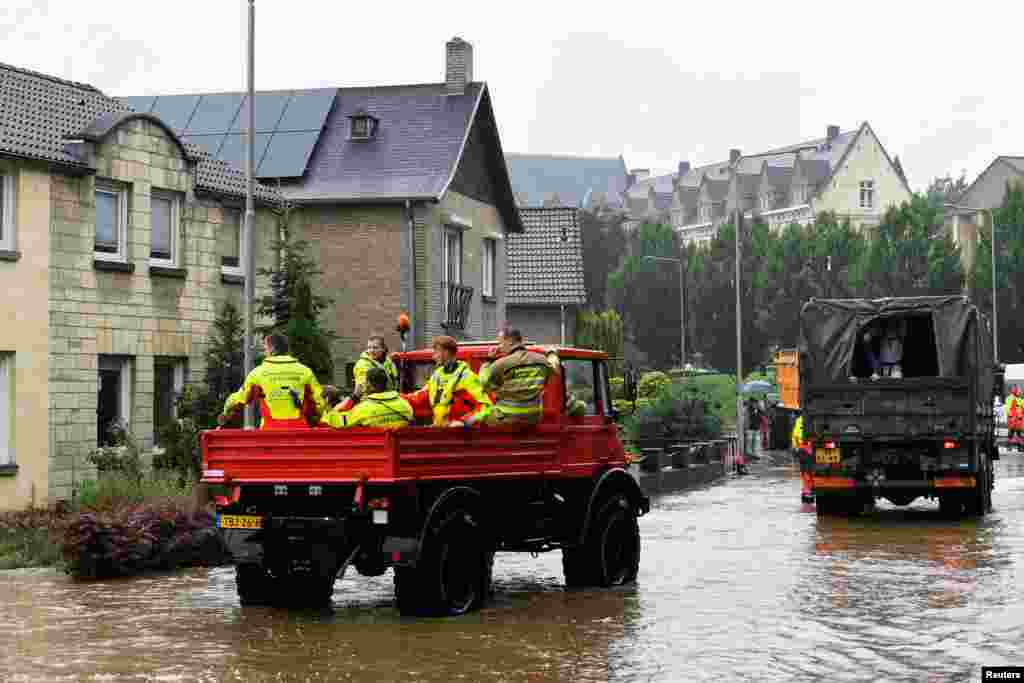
x: 287, y: 391
x: 363, y: 365
x: 384, y: 409
x: 797, y: 438
x: 453, y: 393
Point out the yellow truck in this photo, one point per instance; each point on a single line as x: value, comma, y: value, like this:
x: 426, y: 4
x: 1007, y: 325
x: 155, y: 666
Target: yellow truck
x: 787, y: 376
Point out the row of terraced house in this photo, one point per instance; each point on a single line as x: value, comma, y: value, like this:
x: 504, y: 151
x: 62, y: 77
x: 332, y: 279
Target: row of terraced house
x: 121, y: 240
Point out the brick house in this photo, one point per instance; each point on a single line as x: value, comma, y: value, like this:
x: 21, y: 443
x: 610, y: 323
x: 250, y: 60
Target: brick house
x: 119, y: 242
x: 545, y: 275
x: 402, y: 190
x: 848, y: 173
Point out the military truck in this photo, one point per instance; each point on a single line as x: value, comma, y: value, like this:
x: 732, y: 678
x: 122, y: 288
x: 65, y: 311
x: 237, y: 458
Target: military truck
x: 928, y: 431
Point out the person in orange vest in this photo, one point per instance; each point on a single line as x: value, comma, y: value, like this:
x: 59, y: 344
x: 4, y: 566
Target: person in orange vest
x: 802, y: 452
x: 1014, y: 415
x: 453, y: 393
x: 287, y: 392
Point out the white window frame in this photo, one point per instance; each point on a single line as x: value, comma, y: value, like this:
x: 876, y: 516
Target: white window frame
x: 7, y: 204
x: 450, y: 231
x: 490, y: 260
x: 175, y: 199
x: 121, y: 192
x: 7, y: 408
x: 124, y: 367
x: 240, y: 268
x: 867, y: 194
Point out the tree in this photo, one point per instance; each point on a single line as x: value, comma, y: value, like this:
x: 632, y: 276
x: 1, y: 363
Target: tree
x: 604, y: 245
x: 646, y: 293
x: 911, y: 242
x: 292, y: 306
x: 1009, y: 218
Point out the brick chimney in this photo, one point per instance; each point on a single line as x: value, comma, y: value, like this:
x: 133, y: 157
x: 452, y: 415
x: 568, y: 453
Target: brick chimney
x: 734, y: 156
x: 684, y: 168
x: 458, y: 69
x: 831, y: 133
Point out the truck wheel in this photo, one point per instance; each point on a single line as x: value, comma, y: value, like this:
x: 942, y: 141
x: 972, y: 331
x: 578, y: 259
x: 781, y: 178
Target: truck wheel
x: 254, y: 585
x: 453, y: 574
x: 610, y: 556
x: 979, y: 500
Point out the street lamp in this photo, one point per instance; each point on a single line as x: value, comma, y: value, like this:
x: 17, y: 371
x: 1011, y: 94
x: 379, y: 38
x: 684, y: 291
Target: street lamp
x: 995, y: 320
x: 682, y: 305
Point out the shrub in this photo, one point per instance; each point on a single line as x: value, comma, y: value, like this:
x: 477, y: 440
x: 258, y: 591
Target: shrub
x: 651, y: 383
x: 123, y: 457
x: 676, y: 412
x: 117, y: 491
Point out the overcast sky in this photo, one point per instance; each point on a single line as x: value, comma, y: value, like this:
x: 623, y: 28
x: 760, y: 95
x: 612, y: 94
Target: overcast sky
x: 655, y: 82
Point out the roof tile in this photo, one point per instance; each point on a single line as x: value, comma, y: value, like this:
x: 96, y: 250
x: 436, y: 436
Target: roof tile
x: 543, y: 268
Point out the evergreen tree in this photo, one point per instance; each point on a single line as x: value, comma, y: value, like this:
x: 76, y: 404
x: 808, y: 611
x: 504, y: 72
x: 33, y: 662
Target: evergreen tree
x: 292, y: 306
x: 604, y: 246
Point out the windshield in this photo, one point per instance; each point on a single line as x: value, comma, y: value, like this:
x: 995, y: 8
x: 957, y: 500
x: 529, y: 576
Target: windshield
x: 414, y: 374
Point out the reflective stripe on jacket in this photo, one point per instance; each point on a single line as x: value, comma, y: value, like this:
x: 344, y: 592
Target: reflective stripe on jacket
x: 517, y: 381
x: 453, y: 394
x: 384, y: 409
x: 797, y: 439
x: 287, y: 391
x: 363, y: 365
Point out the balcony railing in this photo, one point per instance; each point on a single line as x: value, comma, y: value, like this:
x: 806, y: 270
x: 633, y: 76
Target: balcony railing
x: 456, y: 299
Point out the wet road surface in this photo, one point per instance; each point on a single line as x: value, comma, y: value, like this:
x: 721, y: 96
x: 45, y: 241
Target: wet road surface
x: 737, y: 582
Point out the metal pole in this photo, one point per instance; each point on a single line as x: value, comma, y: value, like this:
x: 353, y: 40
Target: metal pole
x: 682, y: 316
x: 249, y: 294
x: 995, y: 319
x: 739, y: 344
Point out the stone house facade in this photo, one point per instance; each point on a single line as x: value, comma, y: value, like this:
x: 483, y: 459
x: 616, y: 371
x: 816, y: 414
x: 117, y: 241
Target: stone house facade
x: 124, y: 244
x: 402, y: 191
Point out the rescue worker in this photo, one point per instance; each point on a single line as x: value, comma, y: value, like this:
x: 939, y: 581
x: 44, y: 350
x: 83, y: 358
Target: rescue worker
x: 802, y: 452
x: 380, y: 407
x: 288, y: 392
x: 375, y: 356
x: 517, y: 380
x: 453, y: 393
x: 1014, y: 415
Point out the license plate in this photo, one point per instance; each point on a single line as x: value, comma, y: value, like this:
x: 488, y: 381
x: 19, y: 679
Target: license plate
x: 826, y: 456
x: 240, y: 522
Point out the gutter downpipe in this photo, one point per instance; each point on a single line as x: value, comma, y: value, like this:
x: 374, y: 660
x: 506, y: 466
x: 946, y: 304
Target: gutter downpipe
x: 563, y: 324
x: 412, y: 271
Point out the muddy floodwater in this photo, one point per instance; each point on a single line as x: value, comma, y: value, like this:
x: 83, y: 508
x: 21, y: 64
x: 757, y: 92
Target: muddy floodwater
x: 737, y: 582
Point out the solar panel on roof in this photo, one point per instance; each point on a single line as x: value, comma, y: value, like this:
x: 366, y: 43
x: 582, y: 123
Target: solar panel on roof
x: 233, y: 149
x: 307, y: 110
x: 140, y: 104
x: 210, y: 143
x: 175, y: 110
x: 214, y: 114
x: 288, y: 154
x: 269, y: 107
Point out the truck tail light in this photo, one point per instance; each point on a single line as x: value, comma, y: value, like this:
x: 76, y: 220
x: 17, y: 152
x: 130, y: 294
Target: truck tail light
x: 378, y: 504
x: 830, y: 444
x: 223, y: 501
x: 950, y: 445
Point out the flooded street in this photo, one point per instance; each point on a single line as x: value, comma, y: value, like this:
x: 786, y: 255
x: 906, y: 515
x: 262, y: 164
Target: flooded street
x: 736, y: 582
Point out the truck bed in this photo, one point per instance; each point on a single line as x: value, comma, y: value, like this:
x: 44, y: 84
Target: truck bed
x: 891, y: 409
x: 415, y: 453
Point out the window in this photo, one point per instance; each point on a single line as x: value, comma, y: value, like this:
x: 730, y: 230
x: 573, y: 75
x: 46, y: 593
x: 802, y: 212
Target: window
x: 7, y: 213
x: 362, y: 126
x: 452, y: 247
x: 867, y: 194
x: 169, y: 375
x: 6, y: 408
x: 111, y: 222
x: 229, y: 240
x: 166, y: 212
x: 580, y: 383
x: 114, y: 404
x: 490, y: 250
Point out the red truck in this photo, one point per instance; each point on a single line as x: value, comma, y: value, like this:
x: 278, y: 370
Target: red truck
x: 434, y: 504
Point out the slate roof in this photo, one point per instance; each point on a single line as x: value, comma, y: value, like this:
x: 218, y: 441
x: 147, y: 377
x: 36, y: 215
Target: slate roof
x: 573, y: 179
x: 39, y: 114
x: 542, y: 269
x: 778, y: 177
x: 1016, y: 162
x: 816, y: 171
x: 419, y: 140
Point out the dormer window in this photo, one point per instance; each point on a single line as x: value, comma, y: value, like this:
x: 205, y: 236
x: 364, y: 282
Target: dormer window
x: 362, y: 126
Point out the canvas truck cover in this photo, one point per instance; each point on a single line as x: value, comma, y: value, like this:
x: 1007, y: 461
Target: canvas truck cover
x: 829, y: 329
